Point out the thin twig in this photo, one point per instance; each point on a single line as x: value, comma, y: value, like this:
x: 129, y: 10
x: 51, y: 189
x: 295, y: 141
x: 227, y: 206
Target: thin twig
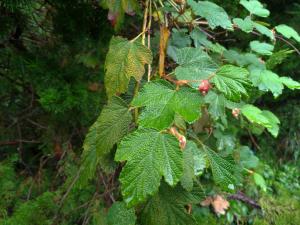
x: 17, y: 142
x: 243, y: 198
x: 107, y: 189
x: 149, y: 38
x: 289, y: 43
x: 253, y: 140
x: 60, y: 205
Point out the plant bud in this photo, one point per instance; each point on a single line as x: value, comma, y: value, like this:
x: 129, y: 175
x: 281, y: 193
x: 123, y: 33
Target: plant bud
x: 236, y: 112
x: 204, y: 87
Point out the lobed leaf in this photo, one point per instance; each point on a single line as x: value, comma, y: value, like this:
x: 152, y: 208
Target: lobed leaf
x: 162, y: 102
x: 217, y: 103
x: 288, y: 32
x: 194, y: 65
x: 109, y: 128
x: 125, y: 59
x: 193, y: 165
x: 168, y: 207
x: 214, y: 14
x: 266, y: 80
x: 149, y: 155
x: 261, y: 48
x: 255, y: 7
x: 119, y: 214
x: 264, y: 30
x: 231, y: 81
x: 264, y: 118
x: 222, y: 169
x: 245, y: 25
x: 290, y: 83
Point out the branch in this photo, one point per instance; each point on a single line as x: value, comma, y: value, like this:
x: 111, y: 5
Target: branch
x: 289, y: 43
x: 17, y: 142
x: 243, y: 198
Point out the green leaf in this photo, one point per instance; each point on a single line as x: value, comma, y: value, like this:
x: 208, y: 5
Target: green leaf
x: 260, y: 181
x: 264, y: 118
x: 149, y: 155
x: 200, y: 39
x: 247, y: 158
x: 243, y: 60
x: 222, y: 169
x: 162, y: 101
x: 195, y: 65
x: 217, y: 104
x: 112, y: 124
x: 264, y: 30
x: 119, y: 214
x: 255, y: 115
x: 288, y: 32
x: 168, y: 207
x: 266, y: 80
x: 193, y: 165
x: 180, y: 38
x: 231, y: 80
x: 125, y: 59
x: 290, y: 83
x: 214, y: 14
x: 179, y: 122
x: 277, y: 58
x: 261, y: 47
x: 274, y: 122
x: 255, y: 7
x: 245, y: 25
x: 225, y: 142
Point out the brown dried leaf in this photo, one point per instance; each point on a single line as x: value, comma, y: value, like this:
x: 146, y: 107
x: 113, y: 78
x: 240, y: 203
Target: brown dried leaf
x: 219, y: 204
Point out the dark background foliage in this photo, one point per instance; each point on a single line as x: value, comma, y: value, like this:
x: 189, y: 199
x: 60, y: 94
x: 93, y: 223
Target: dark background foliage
x: 52, y: 55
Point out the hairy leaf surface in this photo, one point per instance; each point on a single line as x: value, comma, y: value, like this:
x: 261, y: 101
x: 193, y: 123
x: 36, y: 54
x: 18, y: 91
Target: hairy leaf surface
x: 222, y: 169
x: 232, y: 80
x: 119, y: 214
x: 162, y: 101
x: 193, y: 164
x: 266, y: 80
x: 194, y: 65
x: 168, y: 207
x: 110, y: 127
x: 214, y: 14
x: 255, y: 7
x: 149, y: 155
x: 125, y: 59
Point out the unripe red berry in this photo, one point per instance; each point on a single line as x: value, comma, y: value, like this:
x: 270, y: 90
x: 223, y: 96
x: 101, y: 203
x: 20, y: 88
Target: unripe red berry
x: 204, y: 86
x: 236, y: 112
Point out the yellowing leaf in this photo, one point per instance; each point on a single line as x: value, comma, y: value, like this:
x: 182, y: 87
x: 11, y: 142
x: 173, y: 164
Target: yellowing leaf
x: 125, y: 59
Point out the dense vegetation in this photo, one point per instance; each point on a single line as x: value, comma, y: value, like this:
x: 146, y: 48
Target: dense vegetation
x: 149, y: 112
